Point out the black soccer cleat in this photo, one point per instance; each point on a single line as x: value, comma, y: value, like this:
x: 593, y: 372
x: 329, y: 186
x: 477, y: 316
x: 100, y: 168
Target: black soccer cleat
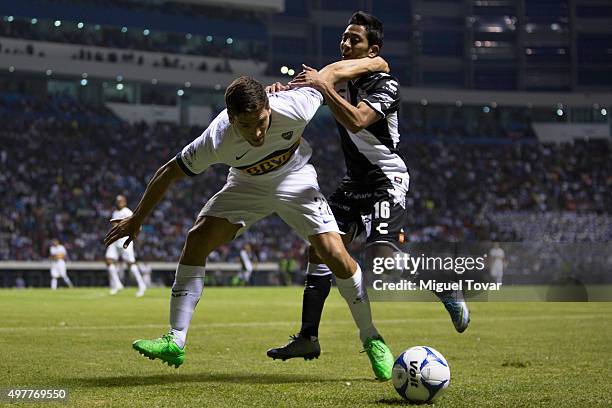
x: 298, y: 346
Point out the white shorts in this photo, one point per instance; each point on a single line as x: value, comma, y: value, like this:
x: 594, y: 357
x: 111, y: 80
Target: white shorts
x: 295, y: 197
x: 58, y: 269
x: 116, y: 250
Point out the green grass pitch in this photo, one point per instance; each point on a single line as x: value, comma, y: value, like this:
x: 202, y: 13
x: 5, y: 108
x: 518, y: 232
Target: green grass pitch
x: 513, y: 354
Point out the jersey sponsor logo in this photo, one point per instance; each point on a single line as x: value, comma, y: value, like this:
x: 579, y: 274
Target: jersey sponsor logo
x: 271, y: 162
x: 287, y: 135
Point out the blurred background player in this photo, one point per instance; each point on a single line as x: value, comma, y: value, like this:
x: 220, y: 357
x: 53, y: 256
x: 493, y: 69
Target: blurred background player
x: 497, y: 259
x: 371, y: 199
x: 58, y: 264
x: 244, y: 277
x: 116, y: 252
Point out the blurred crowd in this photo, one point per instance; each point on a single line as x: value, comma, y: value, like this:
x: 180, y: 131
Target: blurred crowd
x: 130, y: 39
x: 63, y: 165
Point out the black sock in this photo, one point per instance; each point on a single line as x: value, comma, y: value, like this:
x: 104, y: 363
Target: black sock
x: 316, y: 290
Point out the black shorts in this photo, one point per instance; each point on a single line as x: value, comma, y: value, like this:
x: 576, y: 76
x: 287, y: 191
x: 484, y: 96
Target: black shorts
x: 378, y: 210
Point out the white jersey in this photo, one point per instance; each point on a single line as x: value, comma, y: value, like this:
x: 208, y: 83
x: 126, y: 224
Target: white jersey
x: 283, y: 150
x: 497, y: 257
x: 121, y: 214
x: 57, y: 250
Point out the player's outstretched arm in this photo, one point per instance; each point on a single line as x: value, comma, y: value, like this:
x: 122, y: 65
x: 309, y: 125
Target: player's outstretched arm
x: 129, y: 227
x: 353, y: 118
x: 346, y: 70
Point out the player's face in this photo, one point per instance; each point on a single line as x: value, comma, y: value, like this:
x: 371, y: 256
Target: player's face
x: 120, y: 202
x: 354, y: 43
x: 253, y: 126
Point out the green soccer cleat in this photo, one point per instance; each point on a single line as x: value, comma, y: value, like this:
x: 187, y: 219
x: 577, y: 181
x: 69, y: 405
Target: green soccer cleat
x: 163, y: 348
x: 380, y: 356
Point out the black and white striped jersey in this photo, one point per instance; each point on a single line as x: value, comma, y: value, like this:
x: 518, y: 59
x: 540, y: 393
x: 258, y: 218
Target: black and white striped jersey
x: 372, y: 155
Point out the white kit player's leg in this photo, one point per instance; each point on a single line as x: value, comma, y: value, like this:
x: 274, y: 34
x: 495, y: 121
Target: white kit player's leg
x: 54, y: 275
x: 113, y: 278
x: 186, y: 292
x: 207, y: 234
x: 354, y: 293
x: 65, y: 277
x: 141, y: 285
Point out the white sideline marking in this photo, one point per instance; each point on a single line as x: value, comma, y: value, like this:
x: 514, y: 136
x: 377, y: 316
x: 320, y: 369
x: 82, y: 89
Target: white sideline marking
x: 288, y: 323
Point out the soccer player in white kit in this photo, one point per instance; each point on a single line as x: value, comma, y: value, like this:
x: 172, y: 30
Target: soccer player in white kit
x: 118, y: 251
x: 497, y: 257
x: 259, y: 136
x: 58, y: 264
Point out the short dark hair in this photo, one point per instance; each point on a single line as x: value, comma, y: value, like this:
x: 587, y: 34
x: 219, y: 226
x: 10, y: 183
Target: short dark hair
x: 245, y: 95
x: 373, y: 26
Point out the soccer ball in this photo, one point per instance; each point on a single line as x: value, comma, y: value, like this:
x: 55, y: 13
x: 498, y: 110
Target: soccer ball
x: 421, y: 374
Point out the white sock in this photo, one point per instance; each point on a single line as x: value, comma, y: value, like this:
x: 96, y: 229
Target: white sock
x: 318, y: 269
x: 113, y: 277
x: 67, y: 280
x: 354, y: 292
x: 136, y: 274
x: 186, y: 292
x: 53, y: 283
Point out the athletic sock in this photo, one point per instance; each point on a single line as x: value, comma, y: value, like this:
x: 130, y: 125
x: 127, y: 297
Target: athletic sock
x: 354, y: 292
x: 316, y: 290
x: 67, y: 281
x: 186, y: 292
x: 53, y: 283
x: 136, y: 273
x: 113, y: 277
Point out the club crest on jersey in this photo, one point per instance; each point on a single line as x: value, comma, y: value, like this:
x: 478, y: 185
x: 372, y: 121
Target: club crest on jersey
x: 287, y: 135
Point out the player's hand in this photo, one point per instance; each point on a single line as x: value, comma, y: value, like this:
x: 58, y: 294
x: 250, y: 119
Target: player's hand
x: 309, y: 77
x: 276, y: 87
x: 125, y: 227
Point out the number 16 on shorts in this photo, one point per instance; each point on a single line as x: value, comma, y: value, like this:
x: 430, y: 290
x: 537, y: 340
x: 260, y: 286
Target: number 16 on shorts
x: 382, y: 211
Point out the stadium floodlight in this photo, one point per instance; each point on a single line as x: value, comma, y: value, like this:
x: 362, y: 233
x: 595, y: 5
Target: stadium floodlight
x: 603, y: 112
x: 229, y: 41
x: 424, y: 102
x: 188, y: 36
x: 146, y: 32
x: 560, y: 112
x: 83, y: 82
x: 11, y: 69
x: 49, y: 72
x: 209, y: 38
x: 80, y: 25
x: 291, y: 72
x: 10, y: 19
x: 84, y: 75
x: 180, y: 92
x: 34, y: 21
x: 187, y: 84
x: 284, y: 70
x: 124, y: 30
x: 119, y: 87
x: 486, y: 109
x: 57, y: 23
x: 154, y: 81
x: 119, y: 78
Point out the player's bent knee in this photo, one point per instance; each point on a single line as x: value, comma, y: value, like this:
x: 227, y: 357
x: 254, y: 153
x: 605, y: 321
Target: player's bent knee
x: 331, y: 251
